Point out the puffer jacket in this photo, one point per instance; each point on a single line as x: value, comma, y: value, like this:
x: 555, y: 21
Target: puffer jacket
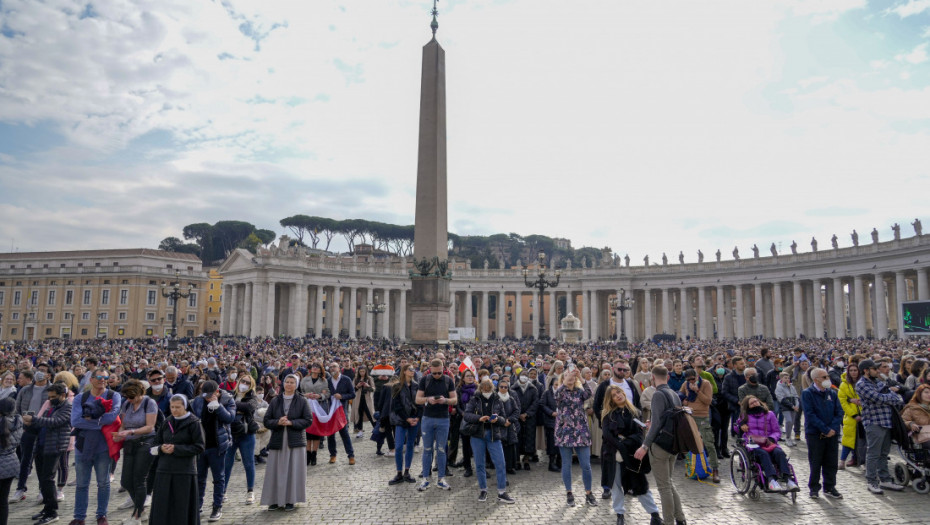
x: 300, y: 416
x: 56, y: 424
x: 225, y: 415
x: 547, y: 406
x: 847, y: 392
x: 760, y: 425
x: 475, y: 409
x: 9, y: 463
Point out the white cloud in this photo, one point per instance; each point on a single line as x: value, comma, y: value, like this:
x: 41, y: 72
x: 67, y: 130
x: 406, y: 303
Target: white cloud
x: 918, y: 55
x: 911, y: 8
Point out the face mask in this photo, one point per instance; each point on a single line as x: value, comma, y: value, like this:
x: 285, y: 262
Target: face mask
x: 233, y: 376
x: 243, y: 388
x: 260, y: 396
x: 840, y: 365
x: 495, y: 383
x: 40, y: 376
x: 827, y: 384
x: 756, y: 410
x: 507, y: 368
x: 157, y: 388
x: 884, y: 377
x: 487, y: 395
x: 56, y: 402
x: 524, y: 380
x: 721, y: 371
x: 753, y: 379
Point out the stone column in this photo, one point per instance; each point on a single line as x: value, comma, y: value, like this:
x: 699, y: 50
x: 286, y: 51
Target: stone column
x: 353, y: 311
x: 740, y: 329
x: 818, y: 309
x: 900, y: 295
x: 648, y: 316
x: 466, y: 317
x: 234, y: 314
x: 684, y: 319
x: 702, y: 312
x: 270, y: 311
x: 224, y: 305
x: 758, y: 322
x: 666, y: 320
x: 318, y: 312
x: 291, y: 292
x: 386, y: 323
x: 881, y: 316
x: 247, y: 310
x: 723, y: 320
x: 923, y: 288
x: 860, y: 306
x: 258, y: 309
x: 536, y: 314
x: 483, y: 316
x: 518, y: 315
x: 778, y: 306
x: 369, y: 299
x: 334, y: 311
x: 839, y: 309
x: 798, y: 296
x: 402, y: 315
x: 453, y: 320
x: 553, y: 315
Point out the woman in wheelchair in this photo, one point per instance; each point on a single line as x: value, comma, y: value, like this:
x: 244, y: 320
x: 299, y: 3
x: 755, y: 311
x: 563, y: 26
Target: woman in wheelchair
x: 758, y: 428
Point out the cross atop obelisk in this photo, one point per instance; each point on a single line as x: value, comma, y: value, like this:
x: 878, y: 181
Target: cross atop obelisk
x: 430, y: 304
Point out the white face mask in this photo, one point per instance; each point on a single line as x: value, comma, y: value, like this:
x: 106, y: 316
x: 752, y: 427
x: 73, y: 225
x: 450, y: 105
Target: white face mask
x: 487, y: 395
x: 260, y: 396
x: 827, y: 384
x: 841, y: 364
x: 244, y: 388
x: 524, y: 380
x: 233, y: 376
x: 157, y: 388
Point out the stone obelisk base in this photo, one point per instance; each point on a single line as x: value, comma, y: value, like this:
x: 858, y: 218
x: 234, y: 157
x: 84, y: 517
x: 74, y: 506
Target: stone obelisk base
x: 429, y: 311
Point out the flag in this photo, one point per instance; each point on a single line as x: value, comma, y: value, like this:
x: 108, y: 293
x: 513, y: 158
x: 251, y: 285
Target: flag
x: 327, y: 423
x: 468, y: 365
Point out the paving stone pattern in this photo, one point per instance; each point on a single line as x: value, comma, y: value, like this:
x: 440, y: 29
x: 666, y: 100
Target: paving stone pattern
x: 359, y: 494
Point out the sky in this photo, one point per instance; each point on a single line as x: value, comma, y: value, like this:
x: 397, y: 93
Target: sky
x: 649, y: 127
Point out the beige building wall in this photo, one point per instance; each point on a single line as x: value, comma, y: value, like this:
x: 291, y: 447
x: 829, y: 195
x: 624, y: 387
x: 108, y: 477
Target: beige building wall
x: 214, y: 300
x: 110, y: 293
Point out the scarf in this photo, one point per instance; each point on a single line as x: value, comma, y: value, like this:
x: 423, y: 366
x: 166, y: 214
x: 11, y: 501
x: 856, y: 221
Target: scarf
x: 690, y: 395
x: 468, y: 390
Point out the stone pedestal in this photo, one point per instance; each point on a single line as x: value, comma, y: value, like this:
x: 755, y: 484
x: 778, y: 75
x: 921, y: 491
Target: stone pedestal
x: 429, y: 305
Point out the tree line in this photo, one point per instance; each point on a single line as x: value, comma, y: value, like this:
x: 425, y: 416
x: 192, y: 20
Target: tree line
x: 213, y: 243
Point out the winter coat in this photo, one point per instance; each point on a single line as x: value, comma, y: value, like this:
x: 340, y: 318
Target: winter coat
x: 730, y: 391
x: 383, y: 404
x: 571, y: 424
x: 345, y: 388
x: 9, y: 463
x: 187, y: 437
x: 822, y: 411
x: 24, y: 397
x: 759, y: 390
x: 621, y: 434
x: 765, y: 424
x: 366, y: 393
x: 244, y: 423
x: 511, y: 413
x: 529, y: 399
x: 475, y: 409
x: 846, y: 393
x: 298, y: 413
x: 225, y: 415
x: 547, y: 405
x: 602, y: 391
x: 56, y: 424
x: 404, y: 406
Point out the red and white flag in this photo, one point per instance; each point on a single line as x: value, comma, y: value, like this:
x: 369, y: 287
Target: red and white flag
x: 326, y: 423
x: 468, y: 365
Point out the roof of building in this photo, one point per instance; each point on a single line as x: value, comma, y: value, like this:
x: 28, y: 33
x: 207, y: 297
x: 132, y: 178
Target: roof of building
x: 75, y: 254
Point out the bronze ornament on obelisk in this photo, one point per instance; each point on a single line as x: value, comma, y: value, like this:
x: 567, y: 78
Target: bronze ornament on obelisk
x: 430, y: 299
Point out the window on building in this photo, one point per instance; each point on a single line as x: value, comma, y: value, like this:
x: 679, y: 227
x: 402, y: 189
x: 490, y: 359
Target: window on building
x: 210, y: 310
x: 15, y: 316
x: 2, y: 297
x: 86, y: 297
x: 34, y: 298
x: 153, y: 283
x: 211, y: 286
x: 53, y: 283
x: 104, y: 316
x: 104, y: 297
x: 85, y: 316
x: 170, y: 317
x: 49, y: 316
x: 97, y: 265
x: 51, y: 297
x: 122, y: 316
x: 125, y: 281
x: 192, y: 300
x: 13, y: 331
x: 211, y: 298
x: 124, y: 297
x: 48, y: 331
x: 150, y: 298
x: 17, y: 298
x: 191, y: 318
x: 107, y: 281
x: 149, y: 316
x: 69, y: 297
x: 70, y: 283
x: 68, y: 316
x: 83, y: 331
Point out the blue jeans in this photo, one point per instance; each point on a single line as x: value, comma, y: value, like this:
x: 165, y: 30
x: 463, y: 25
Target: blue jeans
x: 84, y: 464
x: 435, y: 436
x: 616, y: 492
x: 214, y: 460
x: 584, y: 457
x: 496, y: 450
x: 404, y: 436
x: 246, y: 445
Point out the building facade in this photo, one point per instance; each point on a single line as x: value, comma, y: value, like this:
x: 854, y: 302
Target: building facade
x: 214, y: 296
x: 103, y: 293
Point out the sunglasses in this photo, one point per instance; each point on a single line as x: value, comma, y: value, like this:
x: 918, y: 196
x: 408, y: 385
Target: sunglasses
x: 503, y: 387
x: 623, y: 370
x: 102, y: 377
x: 436, y: 374
x: 156, y: 379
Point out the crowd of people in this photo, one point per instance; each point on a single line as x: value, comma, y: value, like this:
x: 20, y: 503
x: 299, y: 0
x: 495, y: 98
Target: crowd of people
x: 175, y: 418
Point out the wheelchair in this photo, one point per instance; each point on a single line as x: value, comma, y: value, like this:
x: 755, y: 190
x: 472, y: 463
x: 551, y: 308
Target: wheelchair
x: 747, y: 476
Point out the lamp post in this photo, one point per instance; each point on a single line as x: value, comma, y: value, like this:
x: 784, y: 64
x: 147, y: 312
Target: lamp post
x: 174, y: 293
x: 71, y: 330
x: 30, y: 316
x: 621, y: 304
x: 541, y: 283
x: 97, y: 331
x: 375, y: 308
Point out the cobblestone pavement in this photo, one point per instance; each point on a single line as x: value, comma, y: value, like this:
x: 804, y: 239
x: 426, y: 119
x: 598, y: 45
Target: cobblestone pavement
x: 359, y: 494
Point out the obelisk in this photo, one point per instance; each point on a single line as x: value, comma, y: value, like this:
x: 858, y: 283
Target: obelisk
x: 429, y: 303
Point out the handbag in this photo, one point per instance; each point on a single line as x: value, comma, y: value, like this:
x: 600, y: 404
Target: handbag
x: 469, y: 429
x: 923, y: 436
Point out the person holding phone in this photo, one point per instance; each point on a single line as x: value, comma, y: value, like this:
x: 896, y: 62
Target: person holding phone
x: 437, y: 392
x: 485, y: 409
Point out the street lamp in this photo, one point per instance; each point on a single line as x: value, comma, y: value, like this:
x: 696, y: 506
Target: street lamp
x: 30, y: 316
x: 541, y: 283
x: 621, y: 304
x: 174, y: 293
x: 375, y: 308
x: 97, y: 332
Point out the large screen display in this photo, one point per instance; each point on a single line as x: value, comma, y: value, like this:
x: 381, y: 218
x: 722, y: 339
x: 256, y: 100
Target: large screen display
x: 916, y: 317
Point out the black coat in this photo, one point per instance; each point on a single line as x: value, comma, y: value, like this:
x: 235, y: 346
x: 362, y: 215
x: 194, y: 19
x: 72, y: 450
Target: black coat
x: 529, y: 400
x: 475, y: 409
x: 511, y: 413
x: 57, y: 428
x: 245, y: 424
x: 187, y: 437
x: 298, y: 413
x: 623, y: 435
x: 602, y: 391
x: 547, y: 406
x: 403, y: 405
